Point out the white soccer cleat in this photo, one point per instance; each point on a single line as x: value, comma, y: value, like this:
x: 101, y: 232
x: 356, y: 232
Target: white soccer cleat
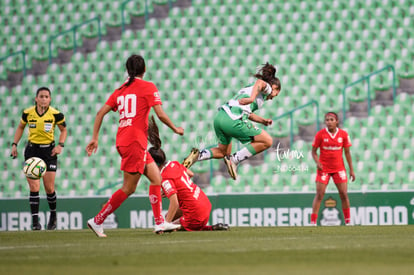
x: 231, y: 167
x: 165, y: 227
x: 97, y: 229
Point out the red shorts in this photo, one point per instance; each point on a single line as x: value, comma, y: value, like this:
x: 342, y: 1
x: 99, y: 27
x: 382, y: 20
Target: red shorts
x: 338, y: 177
x: 197, y: 220
x: 133, y: 158
x: 193, y: 224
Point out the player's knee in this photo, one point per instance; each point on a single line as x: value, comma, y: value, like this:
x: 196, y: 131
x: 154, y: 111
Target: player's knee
x: 343, y: 195
x: 320, y: 195
x: 128, y: 190
x: 267, y: 141
x: 220, y: 153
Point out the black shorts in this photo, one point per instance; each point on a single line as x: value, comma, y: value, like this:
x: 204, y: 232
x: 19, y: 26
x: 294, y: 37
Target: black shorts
x: 43, y: 151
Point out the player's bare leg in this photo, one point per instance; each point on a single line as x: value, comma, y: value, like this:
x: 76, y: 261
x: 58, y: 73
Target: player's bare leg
x: 260, y: 143
x: 320, y: 193
x: 205, y: 154
x: 343, y: 194
x: 128, y: 187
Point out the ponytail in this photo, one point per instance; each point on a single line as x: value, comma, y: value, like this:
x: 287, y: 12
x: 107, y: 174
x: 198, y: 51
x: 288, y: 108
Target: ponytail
x: 154, y: 138
x: 135, y: 66
x: 154, y: 133
x: 267, y: 73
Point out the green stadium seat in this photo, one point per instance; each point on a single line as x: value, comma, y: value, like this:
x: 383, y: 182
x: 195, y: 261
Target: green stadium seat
x: 276, y: 184
x: 239, y: 185
x: 219, y: 184
x: 350, y: 34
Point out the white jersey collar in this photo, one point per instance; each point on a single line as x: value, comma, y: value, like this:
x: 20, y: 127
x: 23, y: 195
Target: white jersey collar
x: 168, y: 162
x: 334, y: 134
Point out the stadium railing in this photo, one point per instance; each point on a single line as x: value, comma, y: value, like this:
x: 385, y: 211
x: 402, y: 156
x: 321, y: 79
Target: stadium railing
x: 123, y: 10
x: 367, y: 79
x: 23, y: 53
x: 291, y: 112
x: 74, y: 30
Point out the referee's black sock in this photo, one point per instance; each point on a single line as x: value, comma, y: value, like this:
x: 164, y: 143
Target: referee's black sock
x: 51, y: 199
x: 34, y: 206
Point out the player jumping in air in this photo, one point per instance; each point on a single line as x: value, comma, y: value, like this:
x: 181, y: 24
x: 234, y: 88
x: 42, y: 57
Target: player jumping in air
x: 234, y: 120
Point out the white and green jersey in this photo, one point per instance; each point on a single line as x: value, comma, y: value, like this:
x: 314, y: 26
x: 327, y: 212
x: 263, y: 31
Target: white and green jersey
x: 236, y: 111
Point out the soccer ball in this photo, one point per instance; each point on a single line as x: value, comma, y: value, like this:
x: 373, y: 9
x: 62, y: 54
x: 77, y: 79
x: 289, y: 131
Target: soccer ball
x: 34, y: 168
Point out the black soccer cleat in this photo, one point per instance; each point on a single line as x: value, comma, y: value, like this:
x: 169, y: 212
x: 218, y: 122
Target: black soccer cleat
x: 36, y: 227
x: 221, y: 227
x: 52, y: 224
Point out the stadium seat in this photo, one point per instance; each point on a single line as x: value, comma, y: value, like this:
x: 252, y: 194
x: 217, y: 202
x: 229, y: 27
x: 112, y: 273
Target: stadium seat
x: 336, y: 42
x: 219, y: 184
x: 239, y: 185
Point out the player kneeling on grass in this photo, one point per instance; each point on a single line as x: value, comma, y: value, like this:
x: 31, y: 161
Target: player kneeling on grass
x: 189, y: 205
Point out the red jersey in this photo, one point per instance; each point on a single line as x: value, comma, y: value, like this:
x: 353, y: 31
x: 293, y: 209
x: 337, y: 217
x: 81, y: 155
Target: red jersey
x: 134, y: 104
x: 192, y: 200
x: 331, y: 148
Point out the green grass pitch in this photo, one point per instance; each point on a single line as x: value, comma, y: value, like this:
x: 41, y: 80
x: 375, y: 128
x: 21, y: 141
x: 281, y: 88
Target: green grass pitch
x: 268, y: 250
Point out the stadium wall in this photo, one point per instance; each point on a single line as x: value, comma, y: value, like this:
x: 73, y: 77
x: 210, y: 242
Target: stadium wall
x: 294, y: 209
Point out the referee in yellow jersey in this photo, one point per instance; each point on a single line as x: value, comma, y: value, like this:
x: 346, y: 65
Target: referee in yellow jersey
x: 42, y: 119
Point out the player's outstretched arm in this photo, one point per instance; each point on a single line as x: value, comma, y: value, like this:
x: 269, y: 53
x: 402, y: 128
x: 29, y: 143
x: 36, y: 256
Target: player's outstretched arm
x: 93, y: 144
x: 159, y: 111
x: 258, y: 87
x: 259, y: 119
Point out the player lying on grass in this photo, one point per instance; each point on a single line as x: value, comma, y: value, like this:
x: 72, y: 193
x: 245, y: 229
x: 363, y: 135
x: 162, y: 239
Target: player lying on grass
x: 234, y: 120
x: 189, y: 205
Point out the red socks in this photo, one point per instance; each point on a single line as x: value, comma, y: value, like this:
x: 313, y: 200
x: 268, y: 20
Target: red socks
x: 156, y: 203
x: 119, y: 197
x: 347, y: 215
x: 314, y: 218
x: 113, y: 203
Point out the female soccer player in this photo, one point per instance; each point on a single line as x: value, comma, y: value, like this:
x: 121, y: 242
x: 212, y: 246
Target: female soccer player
x: 133, y: 100
x: 331, y: 142
x: 232, y: 121
x: 189, y: 206
x: 42, y: 119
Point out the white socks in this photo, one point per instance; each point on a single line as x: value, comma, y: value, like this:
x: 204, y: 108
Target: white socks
x: 241, y: 155
x: 204, y: 155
